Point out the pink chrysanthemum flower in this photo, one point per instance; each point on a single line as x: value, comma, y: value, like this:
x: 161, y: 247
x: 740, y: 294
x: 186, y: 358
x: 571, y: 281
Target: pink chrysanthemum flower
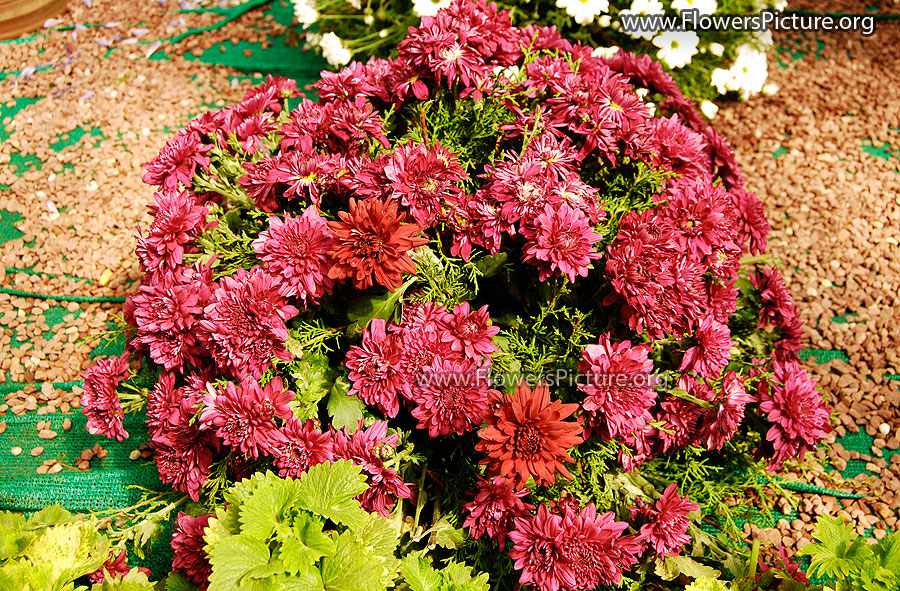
x: 796, y: 410
x: 375, y: 369
x: 424, y: 179
x: 452, y: 396
x: 298, y: 446
x: 752, y: 226
x: 166, y: 310
x: 245, y: 322
x: 263, y: 184
x: 305, y: 175
x: 521, y: 186
x: 244, y: 416
x: 177, y: 162
x: 183, y: 453
x: 722, y: 421
x: 539, y: 551
x: 99, y: 401
x: 252, y: 130
x: 678, y: 148
x: 190, y: 559
x: 560, y: 242
x: 711, y: 353
x: 177, y: 220
x: 114, y: 568
x: 619, y: 390
x: 594, y: 549
x: 296, y: 250
x: 470, y: 332
x: 681, y: 420
x: 367, y: 448
x: 701, y: 214
x: 667, y: 522
x: 496, y: 507
x: 777, y: 303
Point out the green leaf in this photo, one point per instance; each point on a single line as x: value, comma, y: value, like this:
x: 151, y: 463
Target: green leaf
x: 345, y: 411
x: 419, y: 574
x: 365, y: 309
x: 328, y: 489
x: 671, y: 567
x: 887, y: 553
x: 308, y: 543
x: 49, y: 516
x: 379, y: 534
x: 135, y: 580
x: 355, y: 567
x: 490, y: 264
x: 177, y: 582
x: 313, y: 378
x: 837, y: 551
x: 458, y: 577
x: 446, y: 535
x: 268, y: 506
x: 232, y: 558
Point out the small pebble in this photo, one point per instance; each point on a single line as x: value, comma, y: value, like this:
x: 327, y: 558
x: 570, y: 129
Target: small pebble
x: 15, y: 450
x: 2, y: 427
x: 42, y: 469
x: 47, y: 434
x: 67, y: 424
x: 36, y: 451
x: 135, y: 454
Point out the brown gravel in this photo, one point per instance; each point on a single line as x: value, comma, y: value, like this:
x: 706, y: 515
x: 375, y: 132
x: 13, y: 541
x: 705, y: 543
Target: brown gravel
x: 835, y: 215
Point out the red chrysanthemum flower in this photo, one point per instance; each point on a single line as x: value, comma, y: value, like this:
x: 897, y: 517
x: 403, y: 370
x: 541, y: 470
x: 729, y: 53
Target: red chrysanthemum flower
x: 190, y: 559
x: 99, y: 401
x: 722, y: 421
x: 752, y: 227
x: 560, y: 242
x: 594, y: 549
x: 667, y: 522
x: 244, y: 416
x: 469, y: 332
x: 681, y: 419
x: 711, y: 353
x: 245, y: 322
x: 367, y: 448
x: 296, y: 249
x: 701, y: 213
x: 114, y: 568
x: 452, y: 396
x: 263, y: 184
x: 527, y: 436
x: 177, y: 162
x: 371, y: 243
x: 796, y: 410
x: 376, y: 373
x: 678, y: 148
x: 538, y: 551
x: 496, y: 507
x: 619, y: 388
x: 298, y: 446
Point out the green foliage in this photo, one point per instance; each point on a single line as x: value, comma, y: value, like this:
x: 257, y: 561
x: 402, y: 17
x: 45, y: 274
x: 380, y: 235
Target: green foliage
x: 229, y: 242
x: 420, y: 575
x: 311, y: 378
x: 50, y: 550
x: 840, y: 555
x: 384, y: 306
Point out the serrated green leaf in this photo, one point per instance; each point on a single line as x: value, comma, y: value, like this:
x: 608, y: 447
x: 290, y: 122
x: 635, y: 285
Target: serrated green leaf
x: 328, y: 489
x: 367, y: 308
x: 177, y: 582
x: 234, y: 557
x: 379, y: 534
x: 345, y: 411
x: 135, y: 580
x: 307, y: 544
x: 308, y: 581
x: 671, y: 567
x: 446, y: 535
x: 887, y: 553
x: 837, y: 551
x: 490, y: 264
x: 419, y: 574
x: 355, y: 567
x: 49, y: 516
x: 458, y: 577
x: 267, y: 506
x: 313, y: 378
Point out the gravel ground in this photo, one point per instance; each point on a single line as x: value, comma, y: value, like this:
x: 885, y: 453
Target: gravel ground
x: 822, y: 155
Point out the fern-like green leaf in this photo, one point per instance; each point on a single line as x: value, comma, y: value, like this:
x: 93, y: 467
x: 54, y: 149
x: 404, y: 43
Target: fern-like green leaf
x: 837, y: 551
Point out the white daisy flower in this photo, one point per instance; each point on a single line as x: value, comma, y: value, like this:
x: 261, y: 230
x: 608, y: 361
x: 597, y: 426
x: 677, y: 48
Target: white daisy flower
x: 334, y: 51
x: 645, y: 7
x: 584, y: 11
x: 709, y: 109
x: 676, y: 48
x: 701, y: 6
x: 429, y: 7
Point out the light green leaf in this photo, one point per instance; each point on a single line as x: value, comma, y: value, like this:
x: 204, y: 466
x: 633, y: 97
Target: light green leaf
x: 308, y: 543
x: 365, y: 309
x: 267, y: 507
x: 419, y: 574
x: 671, y: 567
x: 49, y: 516
x: 327, y: 489
x: 444, y: 534
x: 379, y: 534
x: 458, y: 577
x: 308, y: 581
x: 177, y: 582
x: 65, y: 552
x: 887, y: 553
x: 133, y: 581
x: 345, y: 411
x: 355, y: 567
x: 837, y: 551
x: 234, y: 557
x: 313, y: 378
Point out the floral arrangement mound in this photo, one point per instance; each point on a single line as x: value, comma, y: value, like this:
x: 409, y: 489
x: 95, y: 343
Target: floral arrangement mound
x: 534, y: 316
x: 707, y: 62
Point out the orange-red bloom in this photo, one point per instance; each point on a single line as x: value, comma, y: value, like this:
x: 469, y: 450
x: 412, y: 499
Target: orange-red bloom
x: 527, y: 436
x: 371, y: 241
